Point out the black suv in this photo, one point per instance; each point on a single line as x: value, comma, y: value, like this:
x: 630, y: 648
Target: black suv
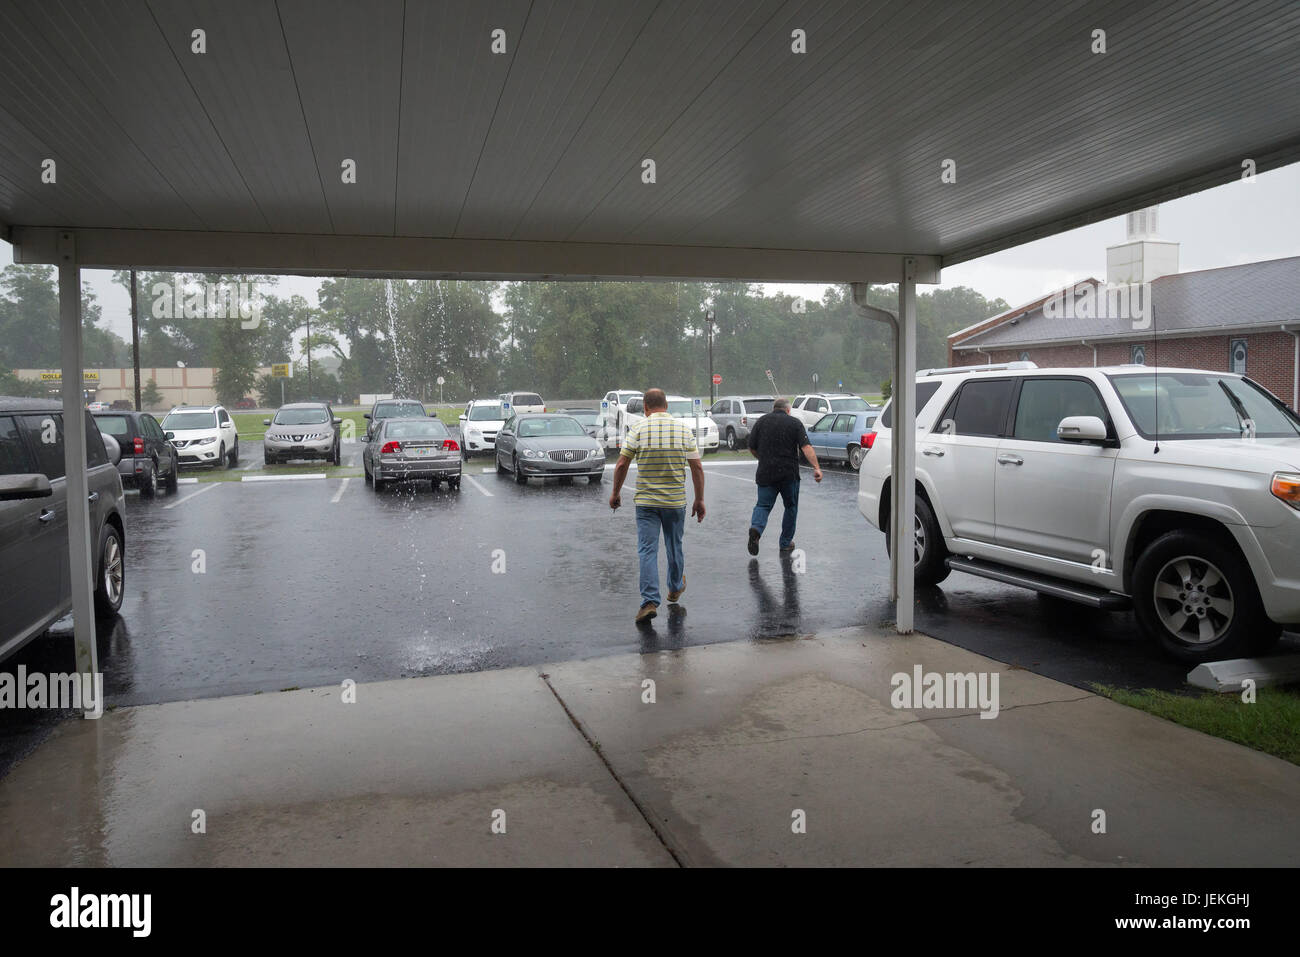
x: 148, y: 457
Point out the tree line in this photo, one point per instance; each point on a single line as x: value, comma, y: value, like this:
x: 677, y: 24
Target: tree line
x: 563, y: 339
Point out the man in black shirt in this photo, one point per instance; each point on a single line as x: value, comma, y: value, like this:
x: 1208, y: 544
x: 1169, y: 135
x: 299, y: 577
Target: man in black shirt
x: 776, y: 441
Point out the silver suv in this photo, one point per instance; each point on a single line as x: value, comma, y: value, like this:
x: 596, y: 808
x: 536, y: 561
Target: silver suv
x: 35, y: 586
x: 736, y: 415
x: 1173, y: 491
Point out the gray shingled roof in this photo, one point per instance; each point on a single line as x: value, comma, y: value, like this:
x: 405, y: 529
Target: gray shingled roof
x: 1209, y: 301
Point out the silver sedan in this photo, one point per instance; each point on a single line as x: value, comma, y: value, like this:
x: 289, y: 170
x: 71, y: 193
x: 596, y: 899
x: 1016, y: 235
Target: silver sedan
x: 402, y: 449
x: 544, y: 446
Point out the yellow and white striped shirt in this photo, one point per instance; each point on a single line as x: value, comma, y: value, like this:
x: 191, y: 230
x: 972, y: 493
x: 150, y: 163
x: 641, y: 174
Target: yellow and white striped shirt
x: 660, y: 445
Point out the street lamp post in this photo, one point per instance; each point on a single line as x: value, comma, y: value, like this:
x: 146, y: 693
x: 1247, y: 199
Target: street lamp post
x: 708, y: 323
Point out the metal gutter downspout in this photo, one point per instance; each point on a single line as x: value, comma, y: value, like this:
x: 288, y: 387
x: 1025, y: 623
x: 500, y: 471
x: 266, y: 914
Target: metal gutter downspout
x: 1084, y: 342
x: 1295, y: 369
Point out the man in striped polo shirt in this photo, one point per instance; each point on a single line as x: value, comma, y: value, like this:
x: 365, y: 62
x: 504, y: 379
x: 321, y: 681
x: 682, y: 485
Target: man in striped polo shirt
x: 662, y: 446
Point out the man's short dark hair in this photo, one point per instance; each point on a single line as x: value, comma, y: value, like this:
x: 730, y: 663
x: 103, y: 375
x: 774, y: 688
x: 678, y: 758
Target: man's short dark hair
x: 655, y: 399
x: 781, y: 405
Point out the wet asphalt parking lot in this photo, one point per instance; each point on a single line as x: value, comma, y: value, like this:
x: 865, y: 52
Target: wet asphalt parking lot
x: 307, y: 583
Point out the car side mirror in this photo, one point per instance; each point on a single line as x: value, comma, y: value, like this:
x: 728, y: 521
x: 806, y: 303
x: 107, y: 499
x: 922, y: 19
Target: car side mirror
x: 337, y: 420
x: 1081, y: 428
x: 14, y: 488
x: 462, y: 418
x: 171, y: 435
x: 266, y: 421
x: 365, y: 415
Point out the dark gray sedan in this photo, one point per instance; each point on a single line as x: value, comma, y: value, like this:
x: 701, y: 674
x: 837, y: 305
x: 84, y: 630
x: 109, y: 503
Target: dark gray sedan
x: 548, y: 445
x: 402, y: 449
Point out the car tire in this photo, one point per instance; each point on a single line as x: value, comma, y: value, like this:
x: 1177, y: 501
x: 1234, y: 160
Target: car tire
x: 148, y: 481
x: 731, y: 440
x: 234, y: 455
x: 520, y: 477
x: 453, y: 484
x: 377, y: 482
x: 173, y: 476
x: 856, y: 456
x: 501, y: 469
x: 597, y: 478
x: 336, y: 458
x: 932, y: 561
x: 1221, y: 615
x: 110, y: 573
x: 223, y: 460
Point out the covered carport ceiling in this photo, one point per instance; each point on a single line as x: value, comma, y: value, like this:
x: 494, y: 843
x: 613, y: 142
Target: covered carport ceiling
x: 771, y: 164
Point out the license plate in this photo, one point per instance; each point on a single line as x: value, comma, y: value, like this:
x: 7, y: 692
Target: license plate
x: 424, y: 453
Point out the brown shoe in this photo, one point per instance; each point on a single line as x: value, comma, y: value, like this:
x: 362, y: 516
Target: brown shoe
x: 647, y: 611
x: 674, y: 595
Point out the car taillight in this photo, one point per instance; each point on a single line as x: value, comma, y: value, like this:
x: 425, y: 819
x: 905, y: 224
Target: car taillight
x: 744, y: 420
x: 390, y: 447
x: 450, y: 445
x: 868, y: 440
x: 139, y: 445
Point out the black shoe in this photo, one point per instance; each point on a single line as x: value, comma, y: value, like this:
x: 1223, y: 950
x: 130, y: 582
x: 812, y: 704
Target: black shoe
x: 787, y: 549
x: 753, y: 541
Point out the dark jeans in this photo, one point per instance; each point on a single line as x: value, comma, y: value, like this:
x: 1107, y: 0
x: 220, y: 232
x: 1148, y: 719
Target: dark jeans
x: 789, y: 492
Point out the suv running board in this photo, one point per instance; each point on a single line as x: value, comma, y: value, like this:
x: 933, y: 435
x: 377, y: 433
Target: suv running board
x: 1093, y: 597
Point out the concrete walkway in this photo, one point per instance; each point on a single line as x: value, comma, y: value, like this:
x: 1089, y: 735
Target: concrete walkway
x: 741, y: 738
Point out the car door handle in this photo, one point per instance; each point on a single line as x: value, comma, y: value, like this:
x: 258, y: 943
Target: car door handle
x: 92, y: 497
x: 933, y: 450
x: 46, y: 514
x: 1008, y: 459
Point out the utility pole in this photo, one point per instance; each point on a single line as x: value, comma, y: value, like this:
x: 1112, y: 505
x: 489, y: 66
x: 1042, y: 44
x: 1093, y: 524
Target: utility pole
x: 708, y: 324
x: 309, y: 392
x: 135, y: 342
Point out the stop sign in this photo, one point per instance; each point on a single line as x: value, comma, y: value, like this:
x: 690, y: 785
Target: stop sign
x: 717, y: 379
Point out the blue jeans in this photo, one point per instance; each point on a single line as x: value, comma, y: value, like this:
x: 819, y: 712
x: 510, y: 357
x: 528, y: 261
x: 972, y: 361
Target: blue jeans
x: 649, y: 522
x: 789, y: 492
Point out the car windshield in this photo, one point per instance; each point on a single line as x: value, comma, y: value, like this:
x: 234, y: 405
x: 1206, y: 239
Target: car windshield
x: 181, y: 421
x: 849, y: 405
x: 113, y: 424
x: 300, y: 417
x: 758, y: 406
x: 1202, y: 405
x: 560, y: 425
x: 682, y: 407
x: 416, y: 429
x: 487, y: 412
x: 398, y: 410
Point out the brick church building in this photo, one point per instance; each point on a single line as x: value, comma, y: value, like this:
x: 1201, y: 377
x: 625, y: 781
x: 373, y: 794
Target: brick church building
x: 1232, y: 319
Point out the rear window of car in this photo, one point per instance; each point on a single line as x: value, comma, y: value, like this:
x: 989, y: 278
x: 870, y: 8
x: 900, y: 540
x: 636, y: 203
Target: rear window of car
x: 527, y: 398
x: 114, y: 425
x: 13, y: 456
x: 979, y: 409
x: 416, y: 429
x: 924, y: 393
x: 758, y: 406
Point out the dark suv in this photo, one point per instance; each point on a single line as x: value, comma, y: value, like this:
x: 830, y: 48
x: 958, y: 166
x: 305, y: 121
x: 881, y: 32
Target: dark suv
x: 35, y: 574
x: 148, y: 457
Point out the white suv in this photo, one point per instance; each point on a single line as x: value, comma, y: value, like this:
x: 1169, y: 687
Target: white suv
x: 203, y: 435
x: 809, y: 409
x: 705, y: 429
x: 1173, y: 491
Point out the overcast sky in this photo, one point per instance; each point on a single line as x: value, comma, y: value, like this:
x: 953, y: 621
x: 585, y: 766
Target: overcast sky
x: 1225, y: 226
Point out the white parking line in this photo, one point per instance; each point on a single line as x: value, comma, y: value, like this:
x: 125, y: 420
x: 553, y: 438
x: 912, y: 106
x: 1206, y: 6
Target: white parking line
x: 474, y: 482
x: 736, y: 478
x: 182, y: 501
x: 343, y: 487
x: 188, y: 481
x: 283, y: 478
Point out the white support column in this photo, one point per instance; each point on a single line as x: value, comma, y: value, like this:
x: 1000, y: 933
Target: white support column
x: 903, y: 466
x: 80, y: 548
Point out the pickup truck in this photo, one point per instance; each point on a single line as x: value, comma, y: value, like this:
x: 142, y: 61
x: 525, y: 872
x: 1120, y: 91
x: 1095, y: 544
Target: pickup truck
x: 1175, y: 492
